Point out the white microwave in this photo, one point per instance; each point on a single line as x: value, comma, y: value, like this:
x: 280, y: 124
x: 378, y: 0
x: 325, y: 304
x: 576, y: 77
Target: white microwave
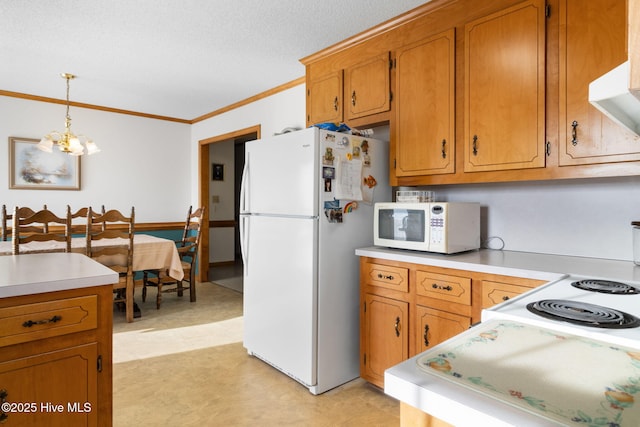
x: 431, y: 227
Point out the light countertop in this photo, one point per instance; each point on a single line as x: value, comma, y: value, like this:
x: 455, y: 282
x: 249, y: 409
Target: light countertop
x: 49, y: 272
x: 510, y: 263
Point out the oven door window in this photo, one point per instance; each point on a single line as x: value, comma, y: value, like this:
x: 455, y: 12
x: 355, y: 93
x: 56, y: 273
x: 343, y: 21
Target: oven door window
x: 402, y: 224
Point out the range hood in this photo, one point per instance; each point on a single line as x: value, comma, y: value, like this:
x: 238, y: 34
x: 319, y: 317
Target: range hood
x: 610, y: 94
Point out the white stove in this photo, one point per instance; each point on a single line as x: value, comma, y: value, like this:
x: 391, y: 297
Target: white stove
x: 611, y: 309
x: 522, y: 367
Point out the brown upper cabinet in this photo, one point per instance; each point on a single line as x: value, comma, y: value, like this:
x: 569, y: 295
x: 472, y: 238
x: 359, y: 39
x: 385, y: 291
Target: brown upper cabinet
x: 505, y: 89
x: 592, y: 42
x: 324, y: 98
x: 486, y: 91
x: 365, y: 89
x: 424, y: 125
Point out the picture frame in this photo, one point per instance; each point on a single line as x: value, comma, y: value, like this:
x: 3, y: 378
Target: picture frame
x: 33, y: 169
x: 217, y: 172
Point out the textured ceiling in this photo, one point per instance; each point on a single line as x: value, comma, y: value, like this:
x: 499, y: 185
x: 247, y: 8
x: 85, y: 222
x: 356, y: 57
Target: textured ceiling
x: 175, y: 58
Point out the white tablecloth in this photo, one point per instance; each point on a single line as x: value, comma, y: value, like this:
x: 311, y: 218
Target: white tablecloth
x: 149, y: 252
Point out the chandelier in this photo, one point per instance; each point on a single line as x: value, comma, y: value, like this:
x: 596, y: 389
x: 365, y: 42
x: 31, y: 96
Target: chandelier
x: 67, y: 141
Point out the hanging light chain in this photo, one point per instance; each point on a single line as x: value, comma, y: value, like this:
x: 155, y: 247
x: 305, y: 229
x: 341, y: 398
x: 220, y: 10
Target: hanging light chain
x: 67, y: 142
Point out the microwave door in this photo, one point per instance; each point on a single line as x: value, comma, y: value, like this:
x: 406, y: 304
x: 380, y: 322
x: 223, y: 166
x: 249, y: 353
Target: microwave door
x: 406, y: 228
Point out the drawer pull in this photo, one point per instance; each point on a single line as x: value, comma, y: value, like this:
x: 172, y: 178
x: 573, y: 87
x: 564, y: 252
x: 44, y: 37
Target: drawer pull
x: 397, y: 326
x: 574, y: 133
x: 505, y: 298
x: 30, y: 323
x: 426, y: 331
x: 444, y: 288
x: 382, y: 276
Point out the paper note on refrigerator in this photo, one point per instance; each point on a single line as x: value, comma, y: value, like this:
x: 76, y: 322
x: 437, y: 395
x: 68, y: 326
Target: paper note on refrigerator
x: 348, y: 180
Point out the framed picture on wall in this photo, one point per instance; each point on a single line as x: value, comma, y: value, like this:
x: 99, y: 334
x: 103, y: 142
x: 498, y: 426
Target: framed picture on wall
x: 217, y: 172
x: 33, y: 169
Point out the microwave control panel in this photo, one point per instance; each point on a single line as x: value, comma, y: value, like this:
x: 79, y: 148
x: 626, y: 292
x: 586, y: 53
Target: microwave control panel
x: 437, y: 225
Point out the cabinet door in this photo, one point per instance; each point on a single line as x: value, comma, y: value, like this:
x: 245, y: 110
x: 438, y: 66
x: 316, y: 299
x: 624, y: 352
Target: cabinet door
x: 592, y: 42
x: 385, y: 336
x: 324, y: 99
x: 436, y: 326
x: 425, y: 106
x: 367, y: 88
x: 505, y: 89
x: 58, y: 388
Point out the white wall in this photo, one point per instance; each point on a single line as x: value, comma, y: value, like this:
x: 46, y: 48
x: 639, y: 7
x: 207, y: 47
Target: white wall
x: 143, y: 163
x: 582, y: 217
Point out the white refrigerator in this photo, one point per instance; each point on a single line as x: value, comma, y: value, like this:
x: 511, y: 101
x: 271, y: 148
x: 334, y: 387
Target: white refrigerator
x: 306, y: 205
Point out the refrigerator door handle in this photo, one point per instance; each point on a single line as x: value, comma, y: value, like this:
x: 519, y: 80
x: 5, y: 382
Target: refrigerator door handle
x: 244, y: 236
x: 244, y: 190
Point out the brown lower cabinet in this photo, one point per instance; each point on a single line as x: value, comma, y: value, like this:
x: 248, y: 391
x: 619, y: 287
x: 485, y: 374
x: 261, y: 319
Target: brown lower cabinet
x: 56, y: 358
x: 408, y: 308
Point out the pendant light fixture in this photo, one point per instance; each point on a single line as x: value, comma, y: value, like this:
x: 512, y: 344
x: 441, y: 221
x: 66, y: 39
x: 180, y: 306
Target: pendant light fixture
x: 67, y: 141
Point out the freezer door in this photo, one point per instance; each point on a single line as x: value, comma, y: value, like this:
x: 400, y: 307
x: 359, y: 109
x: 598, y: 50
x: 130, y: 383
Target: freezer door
x: 281, y: 175
x: 280, y: 294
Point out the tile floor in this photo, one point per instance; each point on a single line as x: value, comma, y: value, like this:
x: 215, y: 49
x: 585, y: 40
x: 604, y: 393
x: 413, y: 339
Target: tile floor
x: 184, y: 365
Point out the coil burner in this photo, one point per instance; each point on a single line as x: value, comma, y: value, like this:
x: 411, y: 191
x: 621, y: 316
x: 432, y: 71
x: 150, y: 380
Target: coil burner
x: 606, y: 287
x: 581, y: 313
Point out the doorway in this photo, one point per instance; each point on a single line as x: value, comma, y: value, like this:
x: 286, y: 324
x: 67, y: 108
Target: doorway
x: 232, y: 264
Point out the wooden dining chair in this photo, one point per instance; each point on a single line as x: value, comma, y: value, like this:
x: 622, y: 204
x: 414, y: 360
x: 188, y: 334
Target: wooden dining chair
x: 4, y: 221
x: 6, y: 218
x: 188, y: 251
x: 29, y: 226
x: 79, y: 220
x: 116, y: 254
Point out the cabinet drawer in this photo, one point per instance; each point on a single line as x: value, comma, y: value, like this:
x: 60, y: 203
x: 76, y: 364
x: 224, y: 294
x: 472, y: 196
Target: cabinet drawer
x: 389, y: 277
x: 496, y: 292
x: 36, y: 321
x: 444, y: 287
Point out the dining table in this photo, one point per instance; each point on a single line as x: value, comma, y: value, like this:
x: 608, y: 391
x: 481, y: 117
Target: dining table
x: 149, y: 252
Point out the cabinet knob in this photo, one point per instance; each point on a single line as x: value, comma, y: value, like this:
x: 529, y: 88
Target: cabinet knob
x: 335, y: 103
x: 475, y: 145
x: 353, y: 98
x: 505, y: 298
x: 397, y: 326
x: 444, y: 148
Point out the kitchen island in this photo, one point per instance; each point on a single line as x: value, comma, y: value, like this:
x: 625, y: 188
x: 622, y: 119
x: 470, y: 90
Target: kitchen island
x: 55, y: 340
x: 421, y: 393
